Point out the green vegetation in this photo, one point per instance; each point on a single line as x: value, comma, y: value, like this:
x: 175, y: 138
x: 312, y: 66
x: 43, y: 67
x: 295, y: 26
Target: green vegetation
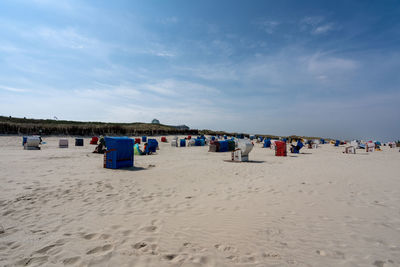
x: 11, y: 125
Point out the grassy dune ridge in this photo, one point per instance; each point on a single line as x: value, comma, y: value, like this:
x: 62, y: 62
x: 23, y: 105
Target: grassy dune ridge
x: 12, y: 125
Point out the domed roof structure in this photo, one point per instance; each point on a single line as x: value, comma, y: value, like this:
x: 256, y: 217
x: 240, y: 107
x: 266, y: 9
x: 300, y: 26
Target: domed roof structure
x: 155, y: 121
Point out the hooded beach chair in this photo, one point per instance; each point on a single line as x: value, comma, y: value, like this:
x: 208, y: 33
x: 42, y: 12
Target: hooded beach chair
x: 151, y: 147
x: 370, y: 147
x: 280, y: 149
x: 119, y: 152
x: 182, y: 143
x: 223, y: 146
x: 267, y: 143
x: 32, y: 143
x: 350, y: 150
x: 78, y: 141
x: 94, y: 140
x: 214, y: 146
x: 296, y: 149
x: 63, y: 143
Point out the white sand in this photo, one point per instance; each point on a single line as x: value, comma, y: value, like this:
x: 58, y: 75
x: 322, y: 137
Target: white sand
x: 187, y: 207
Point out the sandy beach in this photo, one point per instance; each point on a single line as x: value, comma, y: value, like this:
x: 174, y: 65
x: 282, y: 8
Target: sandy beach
x: 188, y: 207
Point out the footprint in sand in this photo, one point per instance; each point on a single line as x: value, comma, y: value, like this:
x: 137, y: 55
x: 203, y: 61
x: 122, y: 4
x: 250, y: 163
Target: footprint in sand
x: 140, y: 245
x: 150, y: 228
x: 89, y: 236
x: 38, y: 261
x: 169, y: 257
x: 8, y: 212
x: 126, y: 232
x: 115, y: 227
x: 71, y: 260
x: 100, y: 249
x: 105, y: 236
x: 270, y: 255
x: 225, y: 248
x: 146, y: 247
x: 45, y: 249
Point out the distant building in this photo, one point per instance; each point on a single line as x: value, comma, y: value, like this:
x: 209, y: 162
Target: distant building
x: 155, y: 121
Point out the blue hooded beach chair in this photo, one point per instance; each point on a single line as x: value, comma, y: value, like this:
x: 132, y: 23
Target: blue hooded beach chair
x: 119, y: 152
x: 182, y: 143
x: 267, y: 143
x: 152, y: 145
x: 296, y: 149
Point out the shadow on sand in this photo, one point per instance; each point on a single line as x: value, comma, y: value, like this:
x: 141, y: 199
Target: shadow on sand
x: 133, y: 169
x: 250, y: 161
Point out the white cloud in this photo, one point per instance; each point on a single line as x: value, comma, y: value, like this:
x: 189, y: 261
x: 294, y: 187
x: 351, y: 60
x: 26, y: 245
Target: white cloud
x: 104, y: 91
x: 312, y: 20
x: 67, y: 37
x: 320, y: 64
x: 160, y: 53
x: 316, y: 25
x: 13, y: 89
x: 323, y: 28
x: 269, y: 26
x: 171, y: 87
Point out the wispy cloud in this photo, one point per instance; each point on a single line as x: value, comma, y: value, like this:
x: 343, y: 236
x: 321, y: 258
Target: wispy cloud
x: 312, y: 20
x: 66, y: 37
x: 316, y: 25
x: 269, y: 26
x: 324, y: 28
x: 13, y: 89
x: 172, y: 87
x: 318, y: 63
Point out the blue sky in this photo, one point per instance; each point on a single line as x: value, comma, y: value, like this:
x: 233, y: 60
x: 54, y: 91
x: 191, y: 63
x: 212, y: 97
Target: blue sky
x: 321, y: 68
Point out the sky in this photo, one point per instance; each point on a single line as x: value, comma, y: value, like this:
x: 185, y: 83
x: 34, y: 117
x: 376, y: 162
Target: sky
x: 313, y: 68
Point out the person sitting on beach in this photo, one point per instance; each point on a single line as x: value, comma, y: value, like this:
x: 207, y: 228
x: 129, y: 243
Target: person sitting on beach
x: 101, y: 147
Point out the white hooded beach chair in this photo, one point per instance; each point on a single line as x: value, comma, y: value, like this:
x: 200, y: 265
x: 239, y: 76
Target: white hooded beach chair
x: 32, y: 143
